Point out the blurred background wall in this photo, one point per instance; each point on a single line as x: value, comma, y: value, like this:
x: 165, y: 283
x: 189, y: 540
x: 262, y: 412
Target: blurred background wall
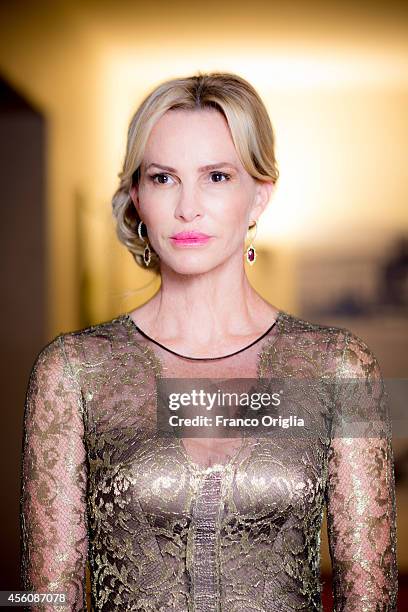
x: 333, y: 243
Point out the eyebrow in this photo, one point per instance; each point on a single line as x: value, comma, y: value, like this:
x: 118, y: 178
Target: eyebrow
x: 202, y: 169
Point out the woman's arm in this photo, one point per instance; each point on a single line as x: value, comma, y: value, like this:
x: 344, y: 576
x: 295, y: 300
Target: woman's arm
x: 53, y: 487
x: 360, y: 494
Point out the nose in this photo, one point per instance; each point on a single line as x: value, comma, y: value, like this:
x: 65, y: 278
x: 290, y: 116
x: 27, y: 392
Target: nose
x: 189, y: 205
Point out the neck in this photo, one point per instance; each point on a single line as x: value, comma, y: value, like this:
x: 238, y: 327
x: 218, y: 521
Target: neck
x: 208, y: 307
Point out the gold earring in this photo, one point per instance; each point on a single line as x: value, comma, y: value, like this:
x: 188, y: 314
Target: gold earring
x: 250, y: 253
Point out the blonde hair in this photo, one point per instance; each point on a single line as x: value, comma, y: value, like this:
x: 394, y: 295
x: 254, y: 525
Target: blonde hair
x: 245, y: 113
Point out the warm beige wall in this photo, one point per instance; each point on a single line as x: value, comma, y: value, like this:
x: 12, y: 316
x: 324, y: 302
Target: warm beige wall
x: 53, y: 63
x: 342, y: 128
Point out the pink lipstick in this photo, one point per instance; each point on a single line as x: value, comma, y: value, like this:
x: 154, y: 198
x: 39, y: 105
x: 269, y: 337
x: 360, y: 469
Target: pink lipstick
x: 190, y: 238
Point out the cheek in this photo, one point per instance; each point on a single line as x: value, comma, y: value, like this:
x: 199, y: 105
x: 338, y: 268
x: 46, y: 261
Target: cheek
x: 236, y: 208
x: 154, y: 207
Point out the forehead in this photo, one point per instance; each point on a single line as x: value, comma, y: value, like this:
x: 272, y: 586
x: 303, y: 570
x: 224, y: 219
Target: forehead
x: 189, y: 132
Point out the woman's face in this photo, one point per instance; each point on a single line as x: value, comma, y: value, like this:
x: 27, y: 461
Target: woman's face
x: 178, y: 192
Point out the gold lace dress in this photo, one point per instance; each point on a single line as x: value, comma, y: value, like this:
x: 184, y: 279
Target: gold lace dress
x: 168, y: 526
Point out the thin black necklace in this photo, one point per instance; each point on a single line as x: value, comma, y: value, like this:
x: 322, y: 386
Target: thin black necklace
x: 127, y: 315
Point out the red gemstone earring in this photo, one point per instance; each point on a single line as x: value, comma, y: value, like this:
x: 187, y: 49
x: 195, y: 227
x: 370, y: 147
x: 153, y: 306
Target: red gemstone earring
x: 250, y: 253
x: 147, y: 252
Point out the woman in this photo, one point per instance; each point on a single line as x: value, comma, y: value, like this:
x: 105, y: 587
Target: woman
x: 214, y: 522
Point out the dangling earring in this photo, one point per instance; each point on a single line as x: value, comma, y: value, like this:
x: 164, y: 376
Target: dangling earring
x: 250, y: 253
x: 147, y: 254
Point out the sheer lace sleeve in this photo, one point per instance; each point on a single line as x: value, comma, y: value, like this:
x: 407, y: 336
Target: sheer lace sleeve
x: 360, y: 494
x: 54, y: 538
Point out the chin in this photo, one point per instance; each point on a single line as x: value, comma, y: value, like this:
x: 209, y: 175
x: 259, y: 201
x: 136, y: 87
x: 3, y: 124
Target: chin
x: 192, y: 264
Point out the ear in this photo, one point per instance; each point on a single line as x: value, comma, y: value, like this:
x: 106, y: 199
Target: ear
x: 263, y: 194
x: 134, y: 194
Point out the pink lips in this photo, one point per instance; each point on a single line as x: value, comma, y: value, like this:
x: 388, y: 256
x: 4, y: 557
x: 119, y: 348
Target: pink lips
x: 190, y: 238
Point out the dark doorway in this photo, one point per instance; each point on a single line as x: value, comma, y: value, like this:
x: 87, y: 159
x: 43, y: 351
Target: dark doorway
x: 23, y: 304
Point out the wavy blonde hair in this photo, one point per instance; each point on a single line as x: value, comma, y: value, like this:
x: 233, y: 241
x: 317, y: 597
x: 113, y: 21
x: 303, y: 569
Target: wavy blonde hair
x: 245, y: 113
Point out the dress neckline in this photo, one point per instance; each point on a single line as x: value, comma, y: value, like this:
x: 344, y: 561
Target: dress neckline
x: 128, y: 317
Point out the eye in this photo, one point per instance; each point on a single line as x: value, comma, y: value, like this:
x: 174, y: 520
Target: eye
x: 218, y: 174
x: 153, y: 178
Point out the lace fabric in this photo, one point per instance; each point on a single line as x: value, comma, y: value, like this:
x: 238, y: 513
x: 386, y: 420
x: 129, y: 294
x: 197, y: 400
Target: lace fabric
x: 170, y: 524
